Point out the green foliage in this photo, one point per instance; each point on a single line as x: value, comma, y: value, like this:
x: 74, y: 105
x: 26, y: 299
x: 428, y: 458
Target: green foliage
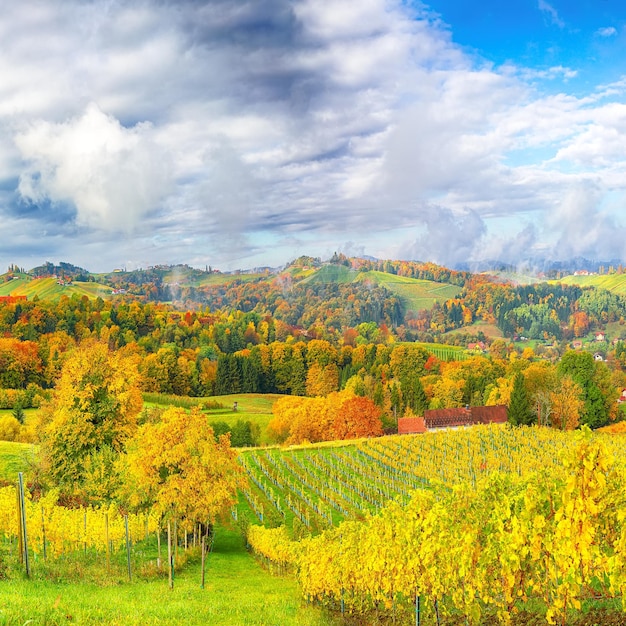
x: 593, y: 377
x: 18, y: 414
x: 520, y: 409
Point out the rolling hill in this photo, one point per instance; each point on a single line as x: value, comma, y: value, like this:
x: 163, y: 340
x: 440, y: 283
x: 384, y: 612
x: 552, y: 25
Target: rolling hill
x: 51, y: 289
x: 611, y: 282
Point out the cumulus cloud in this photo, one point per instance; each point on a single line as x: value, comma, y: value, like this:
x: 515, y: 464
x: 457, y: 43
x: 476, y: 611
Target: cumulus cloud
x: 111, y: 175
x: 447, y: 238
x: 584, y: 227
x: 229, y: 129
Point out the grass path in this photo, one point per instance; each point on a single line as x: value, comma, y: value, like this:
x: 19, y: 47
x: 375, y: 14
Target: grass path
x: 237, y: 592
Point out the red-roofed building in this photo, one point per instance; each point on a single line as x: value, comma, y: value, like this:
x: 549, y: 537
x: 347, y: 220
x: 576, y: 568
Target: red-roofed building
x: 453, y: 418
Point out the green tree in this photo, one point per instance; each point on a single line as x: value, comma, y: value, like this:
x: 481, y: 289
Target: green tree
x: 599, y: 395
x: 520, y: 409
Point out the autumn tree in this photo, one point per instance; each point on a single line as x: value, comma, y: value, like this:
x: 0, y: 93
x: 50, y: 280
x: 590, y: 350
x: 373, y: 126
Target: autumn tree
x: 354, y: 416
x: 93, y: 413
x: 341, y: 415
x: 566, y: 404
x: 177, y: 467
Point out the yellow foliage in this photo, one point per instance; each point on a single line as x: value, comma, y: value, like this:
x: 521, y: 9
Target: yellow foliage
x: 95, y: 405
x: 10, y: 428
x: 177, y: 468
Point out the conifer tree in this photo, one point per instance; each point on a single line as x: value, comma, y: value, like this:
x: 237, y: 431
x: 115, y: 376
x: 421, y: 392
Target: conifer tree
x: 520, y: 409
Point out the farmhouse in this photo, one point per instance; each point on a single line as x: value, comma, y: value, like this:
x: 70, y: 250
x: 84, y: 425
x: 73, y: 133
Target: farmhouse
x: 453, y: 418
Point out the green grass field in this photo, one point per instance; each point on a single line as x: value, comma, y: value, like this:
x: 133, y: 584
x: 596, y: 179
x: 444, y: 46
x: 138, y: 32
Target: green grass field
x: 253, y: 407
x: 237, y: 592
x: 612, y: 282
x: 49, y: 289
x: 14, y: 458
x: 418, y: 294
x: 331, y: 274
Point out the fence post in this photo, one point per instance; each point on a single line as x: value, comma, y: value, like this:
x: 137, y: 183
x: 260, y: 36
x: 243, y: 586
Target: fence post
x: 127, y: 547
x: 20, y: 480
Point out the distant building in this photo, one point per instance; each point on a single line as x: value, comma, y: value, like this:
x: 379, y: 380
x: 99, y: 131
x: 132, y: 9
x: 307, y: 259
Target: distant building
x: 600, y: 336
x: 453, y: 418
x: 478, y: 346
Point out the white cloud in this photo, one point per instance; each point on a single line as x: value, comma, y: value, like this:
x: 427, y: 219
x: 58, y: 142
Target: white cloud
x: 111, y: 175
x: 221, y: 126
x: 608, y: 31
x: 551, y: 13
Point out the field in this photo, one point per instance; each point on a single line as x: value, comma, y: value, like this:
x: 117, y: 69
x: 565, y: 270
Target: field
x: 611, y: 282
x: 14, y: 458
x: 463, y: 516
x: 416, y: 293
x: 341, y: 496
x: 328, y: 483
x: 445, y: 352
x: 49, y: 289
x: 489, y: 330
x: 252, y: 407
x: 237, y: 591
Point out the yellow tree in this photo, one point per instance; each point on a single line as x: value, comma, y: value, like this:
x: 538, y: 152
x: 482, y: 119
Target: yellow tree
x: 322, y: 380
x: 566, y: 404
x: 93, y: 412
x: 178, y: 467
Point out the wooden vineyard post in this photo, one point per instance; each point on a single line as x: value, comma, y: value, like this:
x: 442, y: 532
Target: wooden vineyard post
x: 170, y: 556
x: 23, y: 531
x: 175, y: 540
x: 106, y: 538
x: 203, y: 560
x: 158, y: 534
x: 417, y: 610
x: 127, y: 547
x: 20, y: 547
x: 85, y: 531
x: 43, y: 533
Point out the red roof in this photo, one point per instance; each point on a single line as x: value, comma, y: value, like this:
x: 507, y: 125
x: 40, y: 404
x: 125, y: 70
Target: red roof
x: 453, y: 418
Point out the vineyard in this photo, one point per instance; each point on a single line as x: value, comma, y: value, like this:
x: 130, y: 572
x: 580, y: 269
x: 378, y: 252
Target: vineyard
x: 478, y: 522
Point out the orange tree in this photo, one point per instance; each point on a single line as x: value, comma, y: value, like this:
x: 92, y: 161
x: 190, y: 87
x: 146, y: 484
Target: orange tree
x: 177, y: 468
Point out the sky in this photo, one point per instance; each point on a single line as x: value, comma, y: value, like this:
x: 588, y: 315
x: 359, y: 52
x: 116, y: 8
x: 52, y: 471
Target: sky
x: 245, y: 133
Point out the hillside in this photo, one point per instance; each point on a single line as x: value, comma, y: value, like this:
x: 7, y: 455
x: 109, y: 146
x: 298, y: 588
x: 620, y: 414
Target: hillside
x: 615, y: 283
x: 51, y: 289
x: 417, y: 293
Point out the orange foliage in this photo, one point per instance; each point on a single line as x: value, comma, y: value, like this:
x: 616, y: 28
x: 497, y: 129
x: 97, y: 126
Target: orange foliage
x: 341, y: 415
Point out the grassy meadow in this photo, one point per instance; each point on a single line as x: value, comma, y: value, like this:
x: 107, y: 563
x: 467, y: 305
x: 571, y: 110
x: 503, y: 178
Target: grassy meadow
x: 14, y: 458
x: 252, y: 407
x: 418, y: 294
x: 49, y: 289
x: 611, y: 282
x: 237, y: 591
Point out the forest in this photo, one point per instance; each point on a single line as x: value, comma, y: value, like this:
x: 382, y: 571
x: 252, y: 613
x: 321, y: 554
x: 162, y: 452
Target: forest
x: 285, y: 334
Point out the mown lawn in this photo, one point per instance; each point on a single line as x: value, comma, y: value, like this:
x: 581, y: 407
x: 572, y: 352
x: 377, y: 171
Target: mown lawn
x: 238, y: 591
x: 14, y: 458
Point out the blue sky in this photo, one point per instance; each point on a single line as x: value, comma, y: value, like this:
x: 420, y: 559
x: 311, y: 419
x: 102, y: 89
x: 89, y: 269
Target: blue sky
x: 242, y: 134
